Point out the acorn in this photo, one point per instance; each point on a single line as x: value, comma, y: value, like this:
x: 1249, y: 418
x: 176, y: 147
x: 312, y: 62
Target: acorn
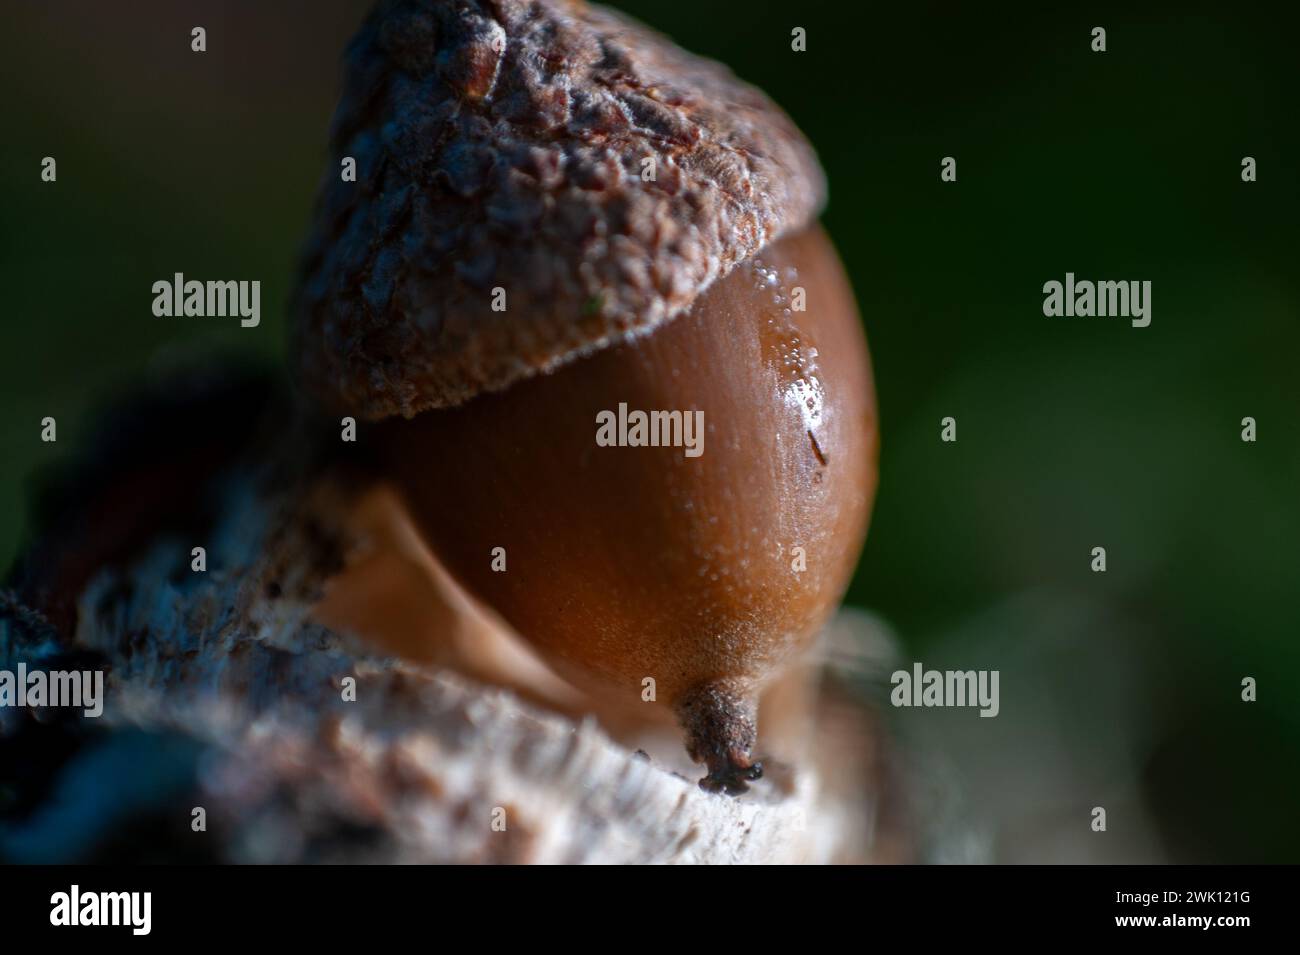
x: 615, y: 367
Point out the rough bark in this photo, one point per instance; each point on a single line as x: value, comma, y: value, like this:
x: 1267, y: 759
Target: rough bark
x: 224, y: 693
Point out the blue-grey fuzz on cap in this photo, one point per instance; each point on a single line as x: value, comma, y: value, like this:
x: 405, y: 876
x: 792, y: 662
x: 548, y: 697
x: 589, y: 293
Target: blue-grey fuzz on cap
x: 565, y: 154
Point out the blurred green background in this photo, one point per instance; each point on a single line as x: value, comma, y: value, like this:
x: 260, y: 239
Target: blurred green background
x: 1119, y: 689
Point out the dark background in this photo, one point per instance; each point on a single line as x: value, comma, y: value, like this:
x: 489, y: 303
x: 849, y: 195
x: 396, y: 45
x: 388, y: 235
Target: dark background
x: 1120, y: 689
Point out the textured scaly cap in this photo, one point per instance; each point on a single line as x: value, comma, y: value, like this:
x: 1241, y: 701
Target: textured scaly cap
x: 504, y: 144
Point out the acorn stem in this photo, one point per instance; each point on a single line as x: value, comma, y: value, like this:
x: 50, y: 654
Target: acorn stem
x: 721, y: 729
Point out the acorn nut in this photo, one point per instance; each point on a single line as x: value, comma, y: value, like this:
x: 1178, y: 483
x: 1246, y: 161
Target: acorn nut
x: 579, y: 284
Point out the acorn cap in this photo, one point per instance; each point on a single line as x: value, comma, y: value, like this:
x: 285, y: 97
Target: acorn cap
x: 557, y: 159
